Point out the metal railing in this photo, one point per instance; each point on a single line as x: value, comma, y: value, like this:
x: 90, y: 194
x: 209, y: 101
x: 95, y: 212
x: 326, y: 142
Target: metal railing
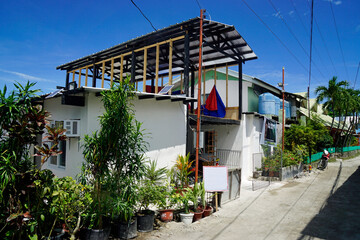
x: 229, y: 158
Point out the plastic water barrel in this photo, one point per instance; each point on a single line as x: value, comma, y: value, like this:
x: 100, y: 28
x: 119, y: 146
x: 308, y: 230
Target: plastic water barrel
x: 287, y: 108
x: 267, y: 104
x: 277, y: 105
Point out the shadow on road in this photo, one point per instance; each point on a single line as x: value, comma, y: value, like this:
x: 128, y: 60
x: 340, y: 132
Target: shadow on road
x: 340, y: 216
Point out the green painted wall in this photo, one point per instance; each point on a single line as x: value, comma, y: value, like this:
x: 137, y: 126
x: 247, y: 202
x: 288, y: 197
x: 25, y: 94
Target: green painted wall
x: 253, y: 101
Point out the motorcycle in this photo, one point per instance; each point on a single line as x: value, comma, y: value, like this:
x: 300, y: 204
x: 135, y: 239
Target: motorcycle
x: 324, y: 160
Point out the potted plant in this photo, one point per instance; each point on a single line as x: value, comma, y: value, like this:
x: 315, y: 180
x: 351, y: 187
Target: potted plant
x: 206, y: 207
x: 167, y: 201
x: 195, y: 194
x: 124, y: 222
x: 114, y: 155
x: 150, y: 194
x: 180, y: 172
x: 70, y: 201
x: 185, y: 197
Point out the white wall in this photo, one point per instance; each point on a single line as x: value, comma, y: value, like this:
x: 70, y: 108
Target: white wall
x: 164, y: 123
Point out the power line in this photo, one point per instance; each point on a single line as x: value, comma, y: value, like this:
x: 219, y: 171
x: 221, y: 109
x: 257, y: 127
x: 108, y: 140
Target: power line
x: 307, y: 34
x: 293, y: 34
x: 144, y: 15
x: 323, y: 40
x: 356, y: 74
x: 338, y: 37
x: 282, y: 43
x: 198, y: 3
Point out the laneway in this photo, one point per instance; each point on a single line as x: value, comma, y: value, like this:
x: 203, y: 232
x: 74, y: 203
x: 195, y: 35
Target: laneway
x: 322, y: 205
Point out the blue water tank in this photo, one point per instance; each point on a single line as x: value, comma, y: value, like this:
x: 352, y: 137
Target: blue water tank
x: 287, y: 108
x: 277, y: 106
x: 267, y: 104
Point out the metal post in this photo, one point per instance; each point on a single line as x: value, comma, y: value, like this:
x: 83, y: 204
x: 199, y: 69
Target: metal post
x: 94, y: 75
x: 240, y: 90
x: 186, y: 63
x: 283, y: 117
x: 133, y: 65
x: 192, y: 88
x: 67, y: 80
x: 199, y: 97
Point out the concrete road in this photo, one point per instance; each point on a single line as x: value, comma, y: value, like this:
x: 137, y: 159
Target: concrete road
x: 320, y: 205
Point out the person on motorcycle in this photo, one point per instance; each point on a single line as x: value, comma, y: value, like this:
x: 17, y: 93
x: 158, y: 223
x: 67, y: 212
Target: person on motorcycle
x: 324, y: 160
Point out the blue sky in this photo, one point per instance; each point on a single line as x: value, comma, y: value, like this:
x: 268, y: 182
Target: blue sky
x: 37, y: 36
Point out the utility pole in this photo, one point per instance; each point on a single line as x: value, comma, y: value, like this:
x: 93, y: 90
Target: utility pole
x: 199, y: 96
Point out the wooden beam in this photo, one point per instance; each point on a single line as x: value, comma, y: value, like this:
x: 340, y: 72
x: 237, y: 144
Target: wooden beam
x: 80, y: 77
x: 170, y: 63
x: 135, y: 50
x: 144, y: 71
x: 103, y: 75
x: 112, y: 73
x: 121, y: 67
x: 227, y: 86
x: 157, y: 68
x: 162, y: 81
x: 86, y: 76
x: 73, y: 73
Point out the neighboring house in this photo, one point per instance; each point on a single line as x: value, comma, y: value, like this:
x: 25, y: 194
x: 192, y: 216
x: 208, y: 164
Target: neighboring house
x: 237, y: 141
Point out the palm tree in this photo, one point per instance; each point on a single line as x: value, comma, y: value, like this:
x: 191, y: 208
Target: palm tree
x: 331, y: 94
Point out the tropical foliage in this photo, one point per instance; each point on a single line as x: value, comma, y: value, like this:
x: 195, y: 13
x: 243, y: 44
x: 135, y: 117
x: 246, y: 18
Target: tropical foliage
x: 341, y: 102
x: 114, y: 155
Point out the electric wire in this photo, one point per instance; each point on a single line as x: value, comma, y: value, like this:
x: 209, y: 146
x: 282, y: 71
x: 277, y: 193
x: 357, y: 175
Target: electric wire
x: 282, y: 43
x: 356, y: 75
x: 198, y: 3
x: 293, y: 34
x: 143, y: 15
x: 338, y: 38
x: 323, y: 40
x: 307, y: 34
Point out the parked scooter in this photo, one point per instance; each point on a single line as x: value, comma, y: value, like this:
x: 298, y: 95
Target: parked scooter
x: 324, y: 160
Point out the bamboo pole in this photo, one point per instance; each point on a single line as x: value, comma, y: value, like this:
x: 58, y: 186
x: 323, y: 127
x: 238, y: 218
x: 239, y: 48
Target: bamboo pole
x: 86, y: 76
x: 144, y: 70
x: 103, y: 75
x: 157, y: 69
x: 112, y: 72
x: 170, y: 63
x: 227, y: 86
x: 121, y: 68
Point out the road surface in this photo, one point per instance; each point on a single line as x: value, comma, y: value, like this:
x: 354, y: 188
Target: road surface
x: 320, y: 205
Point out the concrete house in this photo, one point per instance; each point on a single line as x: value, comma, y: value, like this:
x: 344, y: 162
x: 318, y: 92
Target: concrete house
x: 153, y: 61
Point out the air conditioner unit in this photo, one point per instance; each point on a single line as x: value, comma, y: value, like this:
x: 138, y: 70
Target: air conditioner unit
x: 72, y: 128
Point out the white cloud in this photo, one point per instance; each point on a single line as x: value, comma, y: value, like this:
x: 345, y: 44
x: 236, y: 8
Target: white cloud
x: 26, y: 76
x: 278, y: 15
x: 291, y: 13
x: 338, y: 2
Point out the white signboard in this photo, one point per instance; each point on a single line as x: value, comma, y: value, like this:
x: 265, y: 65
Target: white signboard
x: 215, y: 178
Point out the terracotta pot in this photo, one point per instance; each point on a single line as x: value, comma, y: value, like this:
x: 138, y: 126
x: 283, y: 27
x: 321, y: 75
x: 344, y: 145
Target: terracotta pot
x: 207, y: 211
x: 166, y: 215
x: 198, y: 215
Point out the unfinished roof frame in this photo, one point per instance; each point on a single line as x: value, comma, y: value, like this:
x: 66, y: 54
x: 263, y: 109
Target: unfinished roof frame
x: 171, y: 51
